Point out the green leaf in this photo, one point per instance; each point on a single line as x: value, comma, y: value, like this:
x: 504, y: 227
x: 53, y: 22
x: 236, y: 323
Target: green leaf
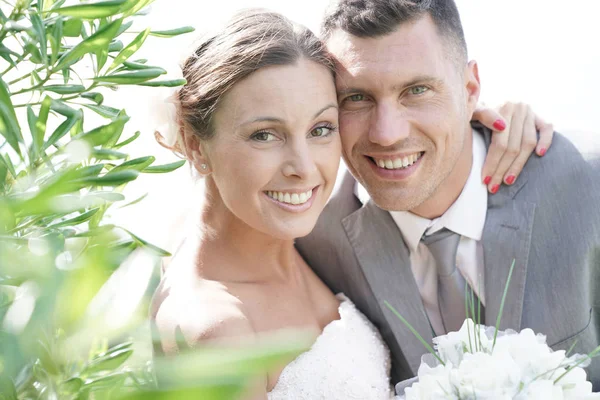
x: 9, y: 125
x: 108, y: 362
x: 127, y: 141
x: 161, y: 169
x: 5, y: 159
x: 173, y: 32
x: 142, y: 197
x: 111, y: 179
x: 63, y: 109
x: 40, y: 32
x: 95, y: 42
x: 36, y: 55
x: 63, y: 129
x: 116, y: 45
x: 64, y: 89
x: 131, y: 78
x: 135, y: 5
x: 107, y: 154
x: 93, y: 10
x: 96, y: 97
x: 137, y: 164
x: 168, y: 83
x: 104, y: 111
x: 130, y: 49
x: 142, y: 242
x: 132, y: 65
x: 124, y: 27
x: 56, y: 38
x: 31, y: 121
x: 72, y: 27
x: 71, y: 385
x: 6, y: 53
x: 86, y: 216
x: 106, y: 133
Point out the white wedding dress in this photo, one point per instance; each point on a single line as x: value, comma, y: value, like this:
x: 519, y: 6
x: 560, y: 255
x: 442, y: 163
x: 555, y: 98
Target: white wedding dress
x: 349, y: 360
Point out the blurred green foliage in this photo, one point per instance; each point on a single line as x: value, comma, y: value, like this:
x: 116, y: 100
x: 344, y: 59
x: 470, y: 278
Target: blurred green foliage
x: 64, y: 330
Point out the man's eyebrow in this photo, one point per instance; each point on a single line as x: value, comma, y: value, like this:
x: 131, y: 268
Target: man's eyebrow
x: 421, y: 79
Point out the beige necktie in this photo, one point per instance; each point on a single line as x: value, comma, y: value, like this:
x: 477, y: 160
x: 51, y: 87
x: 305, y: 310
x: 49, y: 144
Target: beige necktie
x: 443, y: 246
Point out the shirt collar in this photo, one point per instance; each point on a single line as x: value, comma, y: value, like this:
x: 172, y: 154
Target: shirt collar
x: 466, y: 216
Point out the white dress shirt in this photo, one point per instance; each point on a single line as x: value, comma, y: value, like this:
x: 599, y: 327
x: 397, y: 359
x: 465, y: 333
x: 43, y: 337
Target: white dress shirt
x: 466, y: 216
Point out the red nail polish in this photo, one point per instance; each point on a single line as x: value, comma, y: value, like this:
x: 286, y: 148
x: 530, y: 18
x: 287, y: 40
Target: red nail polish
x: 510, y: 179
x: 499, y: 125
x: 542, y: 152
x: 487, y: 180
x: 495, y: 189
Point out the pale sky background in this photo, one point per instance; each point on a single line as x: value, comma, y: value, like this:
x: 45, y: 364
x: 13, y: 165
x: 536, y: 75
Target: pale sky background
x: 543, y: 52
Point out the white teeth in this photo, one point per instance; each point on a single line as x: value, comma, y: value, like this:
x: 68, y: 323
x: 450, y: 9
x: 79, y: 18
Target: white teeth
x: 397, y: 163
x: 290, y: 198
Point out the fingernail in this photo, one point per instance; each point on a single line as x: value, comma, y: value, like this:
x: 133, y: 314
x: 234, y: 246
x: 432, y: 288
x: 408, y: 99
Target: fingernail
x: 510, y: 179
x: 495, y: 189
x: 487, y: 180
x: 542, y: 152
x: 499, y: 125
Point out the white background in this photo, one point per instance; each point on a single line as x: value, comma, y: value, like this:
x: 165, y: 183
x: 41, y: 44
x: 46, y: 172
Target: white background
x: 543, y: 52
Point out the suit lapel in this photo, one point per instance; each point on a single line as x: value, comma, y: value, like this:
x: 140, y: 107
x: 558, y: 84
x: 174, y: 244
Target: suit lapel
x: 385, y: 262
x: 506, y: 237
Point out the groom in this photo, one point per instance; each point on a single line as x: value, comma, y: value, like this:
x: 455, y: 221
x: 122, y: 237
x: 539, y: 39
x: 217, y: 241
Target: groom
x: 412, y: 224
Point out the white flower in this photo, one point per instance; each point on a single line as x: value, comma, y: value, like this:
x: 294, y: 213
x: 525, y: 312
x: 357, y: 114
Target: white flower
x: 434, y: 384
x: 452, y: 347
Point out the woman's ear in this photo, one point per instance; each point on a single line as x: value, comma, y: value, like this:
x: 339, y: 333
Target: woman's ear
x: 194, y: 151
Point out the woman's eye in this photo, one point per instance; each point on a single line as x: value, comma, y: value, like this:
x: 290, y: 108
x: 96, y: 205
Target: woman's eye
x: 263, y: 137
x: 356, y: 97
x: 418, y: 90
x: 322, y: 131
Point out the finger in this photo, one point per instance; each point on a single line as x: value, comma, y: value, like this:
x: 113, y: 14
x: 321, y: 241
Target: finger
x: 528, y: 144
x: 546, y: 135
x: 497, y: 148
x: 515, y: 133
x: 489, y: 118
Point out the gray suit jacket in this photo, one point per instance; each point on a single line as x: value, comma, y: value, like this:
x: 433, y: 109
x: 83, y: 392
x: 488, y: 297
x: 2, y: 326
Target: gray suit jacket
x: 548, y: 221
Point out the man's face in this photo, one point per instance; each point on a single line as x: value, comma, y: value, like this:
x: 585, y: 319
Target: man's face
x: 405, y: 107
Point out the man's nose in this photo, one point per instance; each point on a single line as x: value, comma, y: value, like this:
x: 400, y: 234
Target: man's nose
x: 388, y: 125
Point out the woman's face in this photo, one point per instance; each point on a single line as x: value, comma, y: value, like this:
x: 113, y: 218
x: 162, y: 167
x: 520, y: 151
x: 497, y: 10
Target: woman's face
x: 276, y: 149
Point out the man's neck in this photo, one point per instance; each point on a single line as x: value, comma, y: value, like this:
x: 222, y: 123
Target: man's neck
x: 451, y: 188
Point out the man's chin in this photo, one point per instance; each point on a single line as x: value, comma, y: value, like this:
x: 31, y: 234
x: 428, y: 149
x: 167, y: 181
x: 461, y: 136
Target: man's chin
x: 394, y: 199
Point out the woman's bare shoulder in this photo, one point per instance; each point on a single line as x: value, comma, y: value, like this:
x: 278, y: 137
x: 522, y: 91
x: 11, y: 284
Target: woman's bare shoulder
x: 202, y: 310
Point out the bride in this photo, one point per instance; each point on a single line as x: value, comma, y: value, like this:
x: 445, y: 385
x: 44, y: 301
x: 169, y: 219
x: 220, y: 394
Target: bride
x: 258, y: 120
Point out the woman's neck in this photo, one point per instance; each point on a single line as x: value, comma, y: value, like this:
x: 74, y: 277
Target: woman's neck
x: 232, y: 250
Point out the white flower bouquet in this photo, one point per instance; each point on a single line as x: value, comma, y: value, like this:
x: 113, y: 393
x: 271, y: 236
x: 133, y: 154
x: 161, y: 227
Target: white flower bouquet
x: 475, y: 364
x: 482, y: 363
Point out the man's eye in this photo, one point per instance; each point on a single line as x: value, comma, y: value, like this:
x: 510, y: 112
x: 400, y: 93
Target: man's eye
x: 356, y: 97
x: 263, y: 137
x: 418, y: 90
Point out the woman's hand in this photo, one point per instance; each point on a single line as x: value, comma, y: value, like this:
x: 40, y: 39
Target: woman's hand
x: 515, y: 137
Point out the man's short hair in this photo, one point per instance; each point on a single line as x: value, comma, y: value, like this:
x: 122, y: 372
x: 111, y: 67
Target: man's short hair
x: 375, y: 18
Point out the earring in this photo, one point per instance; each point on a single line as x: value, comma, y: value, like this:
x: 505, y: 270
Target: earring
x: 204, y: 166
